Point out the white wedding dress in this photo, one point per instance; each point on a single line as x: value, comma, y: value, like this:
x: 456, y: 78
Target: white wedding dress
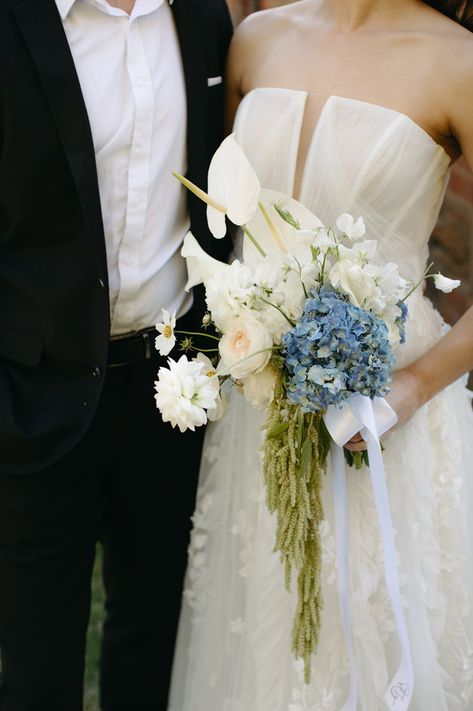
x: 234, y: 644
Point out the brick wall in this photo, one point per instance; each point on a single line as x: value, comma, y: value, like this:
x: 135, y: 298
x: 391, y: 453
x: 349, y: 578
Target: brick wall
x: 452, y: 240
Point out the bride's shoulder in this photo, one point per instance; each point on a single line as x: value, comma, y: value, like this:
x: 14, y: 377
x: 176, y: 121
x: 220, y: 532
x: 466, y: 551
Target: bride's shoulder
x: 265, y: 26
x: 451, y: 53
x: 260, y: 34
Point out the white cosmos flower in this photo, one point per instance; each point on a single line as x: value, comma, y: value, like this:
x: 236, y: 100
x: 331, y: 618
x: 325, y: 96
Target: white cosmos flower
x: 233, y: 184
x: 352, y: 229
x: 218, y: 410
x: 444, y: 283
x: 184, y: 391
x: 244, y: 337
x: 200, y: 266
x: 165, y: 342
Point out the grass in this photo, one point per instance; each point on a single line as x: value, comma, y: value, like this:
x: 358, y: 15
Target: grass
x: 94, y: 635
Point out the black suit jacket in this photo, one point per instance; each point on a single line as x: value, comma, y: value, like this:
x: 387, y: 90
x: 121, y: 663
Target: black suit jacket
x: 54, y: 303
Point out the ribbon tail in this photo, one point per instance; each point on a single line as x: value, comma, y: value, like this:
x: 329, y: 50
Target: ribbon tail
x: 341, y: 537
x: 399, y: 692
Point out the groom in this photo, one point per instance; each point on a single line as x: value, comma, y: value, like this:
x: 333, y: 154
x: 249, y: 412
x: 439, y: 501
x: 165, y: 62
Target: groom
x: 99, y: 103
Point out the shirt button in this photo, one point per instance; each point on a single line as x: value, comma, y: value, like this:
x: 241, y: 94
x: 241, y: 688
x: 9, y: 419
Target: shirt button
x: 97, y: 372
x: 141, y: 81
x: 101, y: 283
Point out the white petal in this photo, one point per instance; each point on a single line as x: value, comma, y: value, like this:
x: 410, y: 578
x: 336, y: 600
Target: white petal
x: 200, y: 266
x: 291, y: 237
x: 345, y: 223
x: 232, y: 182
x: 216, y: 222
x: 445, y: 284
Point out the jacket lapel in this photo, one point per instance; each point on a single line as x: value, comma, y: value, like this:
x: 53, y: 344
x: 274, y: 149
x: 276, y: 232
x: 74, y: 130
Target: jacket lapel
x: 42, y: 30
x: 187, y: 21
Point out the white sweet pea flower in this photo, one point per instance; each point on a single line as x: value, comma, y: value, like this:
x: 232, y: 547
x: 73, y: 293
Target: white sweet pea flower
x: 361, y: 252
x: 229, y: 293
x: 352, y: 279
x: 245, y: 348
x: 352, y: 229
x: 184, y: 391
x: 258, y: 388
x: 444, y: 283
x: 165, y: 342
x: 200, y: 266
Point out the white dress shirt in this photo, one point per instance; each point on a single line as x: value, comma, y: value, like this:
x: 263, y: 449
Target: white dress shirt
x: 130, y: 72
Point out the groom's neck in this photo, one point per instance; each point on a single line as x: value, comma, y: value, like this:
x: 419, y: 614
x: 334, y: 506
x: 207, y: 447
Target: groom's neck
x: 125, y: 5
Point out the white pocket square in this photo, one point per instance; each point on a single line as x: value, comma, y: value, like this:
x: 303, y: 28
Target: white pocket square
x: 213, y: 81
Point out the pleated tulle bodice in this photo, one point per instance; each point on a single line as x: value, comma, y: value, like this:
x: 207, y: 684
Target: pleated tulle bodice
x: 363, y: 158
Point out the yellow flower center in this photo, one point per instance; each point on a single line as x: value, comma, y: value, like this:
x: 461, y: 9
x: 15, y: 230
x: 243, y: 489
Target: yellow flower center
x: 210, y: 373
x: 167, y: 333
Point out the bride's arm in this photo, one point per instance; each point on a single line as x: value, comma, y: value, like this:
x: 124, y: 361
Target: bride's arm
x: 452, y: 356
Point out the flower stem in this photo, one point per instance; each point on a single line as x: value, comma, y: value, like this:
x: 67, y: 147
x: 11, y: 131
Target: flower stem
x: 273, y: 229
x: 198, y: 333
x: 200, y: 193
x: 253, y: 240
x: 242, y: 360
x: 424, y: 276
x: 266, y: 301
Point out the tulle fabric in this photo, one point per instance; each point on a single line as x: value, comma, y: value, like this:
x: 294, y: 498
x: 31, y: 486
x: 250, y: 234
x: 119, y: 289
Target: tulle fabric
x: 234, y: 645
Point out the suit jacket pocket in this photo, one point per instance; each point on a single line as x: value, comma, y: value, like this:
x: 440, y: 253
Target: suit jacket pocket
x: 20, y: 347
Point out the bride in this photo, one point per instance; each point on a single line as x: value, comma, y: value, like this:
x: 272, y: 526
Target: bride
x: 357, y: 106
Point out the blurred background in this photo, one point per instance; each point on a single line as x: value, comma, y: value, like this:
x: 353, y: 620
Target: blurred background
x: 452, y: 240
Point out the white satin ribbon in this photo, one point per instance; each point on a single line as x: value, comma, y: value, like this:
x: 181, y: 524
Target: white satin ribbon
x: 371, y: 418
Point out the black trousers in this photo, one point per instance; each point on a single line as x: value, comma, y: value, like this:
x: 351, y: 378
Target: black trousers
x: 115, y: 487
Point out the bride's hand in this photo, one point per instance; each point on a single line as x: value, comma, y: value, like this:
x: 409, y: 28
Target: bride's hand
x: 405, y: 399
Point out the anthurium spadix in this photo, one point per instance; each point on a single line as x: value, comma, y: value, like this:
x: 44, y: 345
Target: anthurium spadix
x: 280, y: 224
x: 233, y: 188
x: 200, y: 266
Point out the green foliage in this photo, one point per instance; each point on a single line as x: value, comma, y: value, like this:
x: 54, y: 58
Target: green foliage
x: 295, y: 450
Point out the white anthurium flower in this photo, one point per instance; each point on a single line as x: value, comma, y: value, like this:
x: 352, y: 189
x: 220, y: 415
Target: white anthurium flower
x: 245, y: 347
x: 258, y: 388
x: 184, y: 391
x: 233, y: 187
x: 165, y: 342
x: 274, y: 234
x: 200, y: 266
x: 233, y: 184
x: 444, y: 283
x: 351, y: 228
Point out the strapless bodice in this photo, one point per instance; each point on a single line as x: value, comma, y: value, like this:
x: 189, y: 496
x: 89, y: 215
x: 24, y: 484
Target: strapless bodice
x: 363, y: 158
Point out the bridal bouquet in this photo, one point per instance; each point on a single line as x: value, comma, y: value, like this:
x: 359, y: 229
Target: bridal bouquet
x: 302, y: 321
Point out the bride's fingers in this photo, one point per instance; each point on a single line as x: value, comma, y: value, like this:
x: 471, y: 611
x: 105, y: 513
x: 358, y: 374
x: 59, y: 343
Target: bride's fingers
x: 356, y: 444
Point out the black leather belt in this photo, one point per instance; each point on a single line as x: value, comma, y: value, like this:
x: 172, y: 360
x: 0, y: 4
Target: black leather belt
x: 132, y: 347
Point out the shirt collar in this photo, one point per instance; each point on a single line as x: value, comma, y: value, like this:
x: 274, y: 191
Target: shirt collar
x: 64, y: 7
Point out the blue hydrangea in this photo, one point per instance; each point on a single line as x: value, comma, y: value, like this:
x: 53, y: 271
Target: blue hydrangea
x: 336, y: 349
x: 401, y: 321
